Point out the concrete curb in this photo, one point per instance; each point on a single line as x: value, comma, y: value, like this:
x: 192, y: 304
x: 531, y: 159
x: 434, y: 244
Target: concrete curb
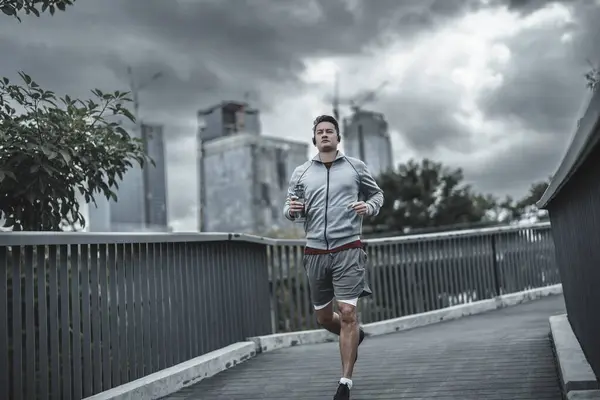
x: 283, y: 340
x: 575, y: 372
x: 170, y: 380
x: 584, y: 395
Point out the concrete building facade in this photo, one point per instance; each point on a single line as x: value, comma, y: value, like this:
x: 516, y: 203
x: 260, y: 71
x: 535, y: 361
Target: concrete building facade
x: 246, y: 178
x: 366, y: 137
x: 228, y: 118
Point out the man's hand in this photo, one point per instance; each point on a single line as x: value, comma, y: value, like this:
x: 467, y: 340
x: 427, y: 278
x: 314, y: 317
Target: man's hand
x: 360, y: 207
x: 296, y: 206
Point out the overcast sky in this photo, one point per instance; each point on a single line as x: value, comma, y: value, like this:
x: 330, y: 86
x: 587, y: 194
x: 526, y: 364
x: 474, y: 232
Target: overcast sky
x: 492, y: 86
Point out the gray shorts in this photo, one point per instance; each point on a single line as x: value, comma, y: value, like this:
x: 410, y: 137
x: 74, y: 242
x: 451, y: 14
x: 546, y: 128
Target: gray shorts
x: 339, y: 275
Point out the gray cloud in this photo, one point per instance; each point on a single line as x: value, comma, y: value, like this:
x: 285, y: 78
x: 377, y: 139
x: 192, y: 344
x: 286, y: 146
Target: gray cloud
x: 543, y: 85
x: 221, y: 45
x: 514, y: 170
x: 543, y: 91
x: 426, y: 121
x: 528, y: 6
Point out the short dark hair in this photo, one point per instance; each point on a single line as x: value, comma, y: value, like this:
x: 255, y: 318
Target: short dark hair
x: 326, y: 118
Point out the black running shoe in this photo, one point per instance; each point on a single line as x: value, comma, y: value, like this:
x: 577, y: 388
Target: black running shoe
x: 343, y: 392
x: 361, y: 337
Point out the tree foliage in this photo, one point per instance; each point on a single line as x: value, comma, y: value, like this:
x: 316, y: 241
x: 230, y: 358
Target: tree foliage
x: 592, y: 77
x: 427, y: 194
x: 423, y: 195
x: 536, y: 191
x: 517, y: 209
x: 54, y: 149
x: 15, y: 8
x: 49, y: 153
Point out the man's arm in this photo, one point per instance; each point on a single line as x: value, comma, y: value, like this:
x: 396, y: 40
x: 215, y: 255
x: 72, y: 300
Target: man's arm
x: 290, y: 192
x: 371, y: 190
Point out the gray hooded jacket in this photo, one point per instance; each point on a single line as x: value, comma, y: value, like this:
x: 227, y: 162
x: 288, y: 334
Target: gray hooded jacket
x: 328, y: 194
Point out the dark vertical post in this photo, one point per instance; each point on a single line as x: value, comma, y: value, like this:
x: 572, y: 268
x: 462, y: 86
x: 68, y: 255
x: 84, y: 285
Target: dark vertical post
x: 146, y: 176
x: 361, y: 143
x: 202, y: 185
x: 495, y: 265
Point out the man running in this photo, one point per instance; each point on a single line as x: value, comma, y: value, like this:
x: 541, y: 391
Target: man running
x: 331, y: 194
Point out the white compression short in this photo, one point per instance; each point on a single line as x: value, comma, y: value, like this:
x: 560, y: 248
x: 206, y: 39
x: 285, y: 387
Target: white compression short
x: 352, y: 302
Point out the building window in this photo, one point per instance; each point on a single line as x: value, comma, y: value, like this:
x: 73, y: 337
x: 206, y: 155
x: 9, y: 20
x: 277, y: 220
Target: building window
x: 281, y: 168
x: 266, y: 198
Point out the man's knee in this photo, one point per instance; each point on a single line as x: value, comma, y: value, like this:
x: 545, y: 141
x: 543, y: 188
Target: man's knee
x: 347, y: 313
x: 324, y: 319
x: 325, y: 314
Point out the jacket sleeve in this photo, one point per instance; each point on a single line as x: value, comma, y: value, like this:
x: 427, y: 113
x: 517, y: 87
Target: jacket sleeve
x: 371, y: 190
x: 290, y: 192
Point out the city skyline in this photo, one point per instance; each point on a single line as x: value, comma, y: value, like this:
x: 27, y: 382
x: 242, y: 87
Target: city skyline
x: 495, y: 89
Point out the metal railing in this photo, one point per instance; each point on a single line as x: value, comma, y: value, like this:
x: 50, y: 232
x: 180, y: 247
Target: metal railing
x: 419, y: 273
x: 84, y: 313
x: 92, y: 311
x: 572, y: 202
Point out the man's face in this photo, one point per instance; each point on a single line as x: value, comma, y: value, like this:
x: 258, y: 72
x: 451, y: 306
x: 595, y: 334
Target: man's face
x: 326, y: 136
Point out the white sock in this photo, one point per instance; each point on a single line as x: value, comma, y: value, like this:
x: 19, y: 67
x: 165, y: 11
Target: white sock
x: 347, y: 382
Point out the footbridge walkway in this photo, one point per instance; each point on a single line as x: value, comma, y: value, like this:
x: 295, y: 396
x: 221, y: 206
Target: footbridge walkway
x: 501, y: 355
x: 158, y: 315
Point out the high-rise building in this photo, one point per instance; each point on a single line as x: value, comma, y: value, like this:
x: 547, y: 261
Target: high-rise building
x: 228, y: 118
x: 142, y: 195
x: 221, y: 120
x: 243, y: 176
x: 98, y: 219
x: 245, y: 184
x: 155, y: 178
x: 366, y: 137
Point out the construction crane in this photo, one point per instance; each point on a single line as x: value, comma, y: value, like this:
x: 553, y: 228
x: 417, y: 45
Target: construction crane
x: 355, y: 104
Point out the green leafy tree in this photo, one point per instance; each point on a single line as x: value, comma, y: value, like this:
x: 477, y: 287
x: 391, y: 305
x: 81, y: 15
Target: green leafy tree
x: 52, y: 149
x: 15, y: 8
x: 427, y: 194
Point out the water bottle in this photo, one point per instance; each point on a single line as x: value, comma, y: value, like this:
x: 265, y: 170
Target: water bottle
x: 299, y: 217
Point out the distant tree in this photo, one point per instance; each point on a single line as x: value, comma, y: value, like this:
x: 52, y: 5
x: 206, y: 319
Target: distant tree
x: 427, y: 194
x: 16, y: 7
x: 507, y: 210
x: 527, y: 205
x: 53, y: 148
x: 510, y: 210
x: 592, y: 77
x: 536, y: 191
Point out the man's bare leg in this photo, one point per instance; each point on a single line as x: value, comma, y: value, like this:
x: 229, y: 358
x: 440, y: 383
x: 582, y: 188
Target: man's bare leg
x: 345, y: 324
x: 349, y: 335
x: 328, y: 319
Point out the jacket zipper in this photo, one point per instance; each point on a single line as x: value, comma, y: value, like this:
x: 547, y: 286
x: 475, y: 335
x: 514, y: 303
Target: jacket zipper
x: 326, y: 206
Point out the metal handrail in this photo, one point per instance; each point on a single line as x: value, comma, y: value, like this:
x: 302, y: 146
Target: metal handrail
x: 68, y: 238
